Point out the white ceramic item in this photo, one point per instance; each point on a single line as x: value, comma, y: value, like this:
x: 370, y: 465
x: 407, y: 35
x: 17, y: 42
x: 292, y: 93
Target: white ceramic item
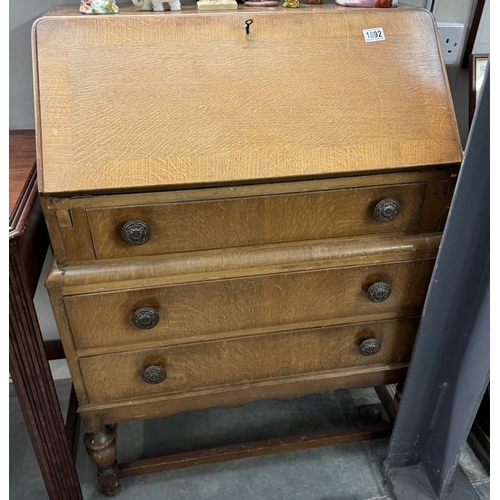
x: 157, y: 5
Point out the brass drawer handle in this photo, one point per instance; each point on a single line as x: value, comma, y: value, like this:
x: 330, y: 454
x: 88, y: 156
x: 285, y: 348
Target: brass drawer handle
x: 154, y: 374
x: 369, y: 347
x: 145, y: 318
x: 387, y: 209
x: 379, y: 291
x: 135, y: 232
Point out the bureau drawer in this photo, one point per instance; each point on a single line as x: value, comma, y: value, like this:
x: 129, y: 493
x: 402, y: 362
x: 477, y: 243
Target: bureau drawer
x: 139, y: 230
x: 137, y: 225
x: 235, y: 361
x: 251, y: 304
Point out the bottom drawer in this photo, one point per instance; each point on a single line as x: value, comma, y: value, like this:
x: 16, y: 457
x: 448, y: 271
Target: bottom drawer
x: 236, y: 361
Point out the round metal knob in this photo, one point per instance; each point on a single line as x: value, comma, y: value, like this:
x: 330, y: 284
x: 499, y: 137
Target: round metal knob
x: 387, y: 209
x: 145, y: 318
x: 369, y: 347
x: 135, y: 232
x: 379, y: 291
x: 154, y: 374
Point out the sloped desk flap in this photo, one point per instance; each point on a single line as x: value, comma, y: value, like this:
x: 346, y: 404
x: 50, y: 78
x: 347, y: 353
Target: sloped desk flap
x: 142, y: 100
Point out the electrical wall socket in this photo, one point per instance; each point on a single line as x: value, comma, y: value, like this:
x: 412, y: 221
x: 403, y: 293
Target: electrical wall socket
x: 451, y: 35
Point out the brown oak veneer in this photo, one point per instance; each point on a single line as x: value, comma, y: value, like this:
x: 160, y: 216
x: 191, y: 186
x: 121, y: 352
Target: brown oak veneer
x: 234, y: 307
x: 224, y: 126
x: 89, y: 228
x: 241, y: 230
x: 238, y: 361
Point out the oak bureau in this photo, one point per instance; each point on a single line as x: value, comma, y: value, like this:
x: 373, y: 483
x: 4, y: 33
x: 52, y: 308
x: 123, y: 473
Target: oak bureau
x: 238, y: 210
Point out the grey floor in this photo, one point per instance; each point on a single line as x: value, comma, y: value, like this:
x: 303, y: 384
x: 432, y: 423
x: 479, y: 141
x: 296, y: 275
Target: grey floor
x: 342, y: 472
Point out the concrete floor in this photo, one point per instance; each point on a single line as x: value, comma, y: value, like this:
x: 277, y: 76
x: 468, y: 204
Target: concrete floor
x: 343, y: 472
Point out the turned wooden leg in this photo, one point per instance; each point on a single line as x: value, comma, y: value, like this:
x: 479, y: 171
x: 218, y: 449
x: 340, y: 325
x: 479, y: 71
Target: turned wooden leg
x: 397, y: 396
x: 101, y: 447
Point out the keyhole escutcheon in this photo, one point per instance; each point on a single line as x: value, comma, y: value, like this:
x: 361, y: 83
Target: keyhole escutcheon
x: 248, y: 22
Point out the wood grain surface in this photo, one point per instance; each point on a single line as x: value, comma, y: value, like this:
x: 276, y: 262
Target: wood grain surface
x: 85, y: 229
x: 246, y: 305
x: 256, y: 160
x: 22, y: 152
x: 254, y: 221
x: 189, y: 98
x: 230, y: 362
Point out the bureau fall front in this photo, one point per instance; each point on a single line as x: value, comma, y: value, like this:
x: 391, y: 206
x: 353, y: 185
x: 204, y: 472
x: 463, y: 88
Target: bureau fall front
x: 238, y: 214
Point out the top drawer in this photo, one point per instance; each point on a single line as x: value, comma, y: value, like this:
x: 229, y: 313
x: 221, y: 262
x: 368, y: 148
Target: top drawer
x: 125, y: 226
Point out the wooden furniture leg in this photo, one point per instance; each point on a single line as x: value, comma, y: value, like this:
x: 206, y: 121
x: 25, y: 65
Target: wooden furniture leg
x: 28, y: 364
x: 387, y: 401
x: 37, y: 396
x: 101, y: 448
x: 397, y: 396
x: 54, y: 350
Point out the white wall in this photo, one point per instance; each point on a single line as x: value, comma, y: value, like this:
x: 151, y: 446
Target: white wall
x: 22, y: 15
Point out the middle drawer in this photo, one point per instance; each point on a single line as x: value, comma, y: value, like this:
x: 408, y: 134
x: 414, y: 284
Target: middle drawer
x: 248, y: 305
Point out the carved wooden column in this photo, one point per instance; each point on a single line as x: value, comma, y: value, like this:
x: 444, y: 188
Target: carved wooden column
x: 29, y: 368
x: 101, y: 447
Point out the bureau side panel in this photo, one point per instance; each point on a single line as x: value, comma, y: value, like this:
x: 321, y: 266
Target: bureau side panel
x: 70, y: 353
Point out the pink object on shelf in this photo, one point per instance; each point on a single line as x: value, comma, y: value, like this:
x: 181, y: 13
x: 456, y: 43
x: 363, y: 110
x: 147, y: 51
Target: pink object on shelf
x: 368, y: 3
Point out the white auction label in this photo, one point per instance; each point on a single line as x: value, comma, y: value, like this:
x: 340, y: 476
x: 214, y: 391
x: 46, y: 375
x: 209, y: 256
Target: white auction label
x: 374, y: 34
